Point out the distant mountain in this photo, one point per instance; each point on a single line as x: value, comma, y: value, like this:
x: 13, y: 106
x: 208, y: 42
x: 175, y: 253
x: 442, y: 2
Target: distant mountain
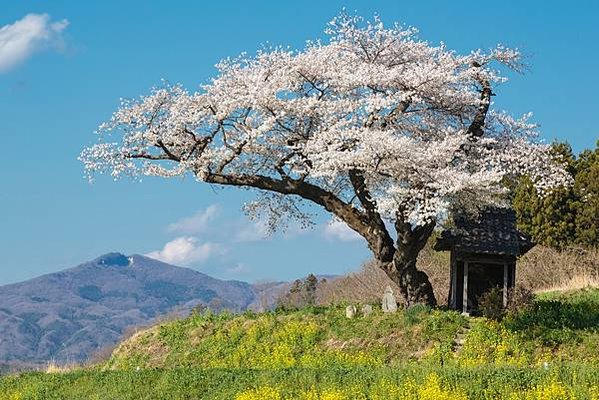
x: 66, y: 316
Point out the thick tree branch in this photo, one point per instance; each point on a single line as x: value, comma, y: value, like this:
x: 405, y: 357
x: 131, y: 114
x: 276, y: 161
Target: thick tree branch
x: 412, y: 239
x: 166, y: 150
x: 476, y: 128
x: 354, y: 218
x: 384, y: 246
x: 396, y: 112
x: 147, y: 156
x: 329, y: 201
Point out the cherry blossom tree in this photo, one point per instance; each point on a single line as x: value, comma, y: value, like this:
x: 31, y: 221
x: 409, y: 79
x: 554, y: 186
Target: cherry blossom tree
x: 387, y: 132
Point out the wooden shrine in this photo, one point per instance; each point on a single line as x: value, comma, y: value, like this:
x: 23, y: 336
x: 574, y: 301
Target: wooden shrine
x: 484, y: 249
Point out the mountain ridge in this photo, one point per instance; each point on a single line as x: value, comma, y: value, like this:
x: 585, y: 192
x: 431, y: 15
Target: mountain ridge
x: 66, y: 315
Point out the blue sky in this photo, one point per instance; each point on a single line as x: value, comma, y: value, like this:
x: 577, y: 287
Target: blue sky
x: 56, y: 92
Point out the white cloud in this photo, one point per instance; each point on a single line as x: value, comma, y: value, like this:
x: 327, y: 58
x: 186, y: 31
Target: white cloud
x: 338, y: 230
x: 185, y: 251
x: 197, y: 223
x: 34, y: 32
x: 252, y: 232
x: 295, y: 229
x: 239, y: 269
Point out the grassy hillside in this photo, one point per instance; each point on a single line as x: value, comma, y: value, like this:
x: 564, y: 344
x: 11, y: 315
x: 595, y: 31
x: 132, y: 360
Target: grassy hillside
x: 315, y: 337
x: 548, y: 351
x: 561, y: 327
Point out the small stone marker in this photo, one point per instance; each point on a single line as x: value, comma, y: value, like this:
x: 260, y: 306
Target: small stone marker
x: 366, y: 310
x: 389, y: 303
x: 350, y: 311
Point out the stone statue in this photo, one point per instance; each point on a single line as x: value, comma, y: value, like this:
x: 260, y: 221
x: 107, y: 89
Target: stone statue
x: 350, y: 311
x: 389, y: 303
x: 366, y: 310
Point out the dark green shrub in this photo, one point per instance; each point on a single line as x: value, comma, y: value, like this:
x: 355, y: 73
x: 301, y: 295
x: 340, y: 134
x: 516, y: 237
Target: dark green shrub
x: 490, y: 304
x: 519, y: 299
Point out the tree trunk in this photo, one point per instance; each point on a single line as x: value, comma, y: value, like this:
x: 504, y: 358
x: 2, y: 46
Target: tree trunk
x: 414, y: 285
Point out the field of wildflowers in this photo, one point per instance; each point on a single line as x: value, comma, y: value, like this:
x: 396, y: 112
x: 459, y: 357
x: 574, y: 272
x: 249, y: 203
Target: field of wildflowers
x: 413, y: 381
x: 549, y: 351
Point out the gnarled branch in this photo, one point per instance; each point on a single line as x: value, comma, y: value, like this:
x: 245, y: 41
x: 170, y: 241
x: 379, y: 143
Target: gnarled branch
x: 384, y: 248
x: 353, y: 217
x: 476, y: 128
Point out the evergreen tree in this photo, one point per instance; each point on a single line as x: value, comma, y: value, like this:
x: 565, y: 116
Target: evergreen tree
x: 568, y: 215
x: 310, y: 285
x: 301, y: 293
x: 586, y: 187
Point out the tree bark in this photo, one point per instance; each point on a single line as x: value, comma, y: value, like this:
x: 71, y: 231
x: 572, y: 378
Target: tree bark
x: 414, y: 285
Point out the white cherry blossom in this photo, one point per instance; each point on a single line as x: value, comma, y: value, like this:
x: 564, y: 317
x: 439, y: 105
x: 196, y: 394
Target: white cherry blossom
x: 375, y: 125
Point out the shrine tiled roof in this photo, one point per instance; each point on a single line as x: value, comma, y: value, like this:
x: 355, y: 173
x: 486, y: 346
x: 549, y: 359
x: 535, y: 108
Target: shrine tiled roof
x: 493, y: 232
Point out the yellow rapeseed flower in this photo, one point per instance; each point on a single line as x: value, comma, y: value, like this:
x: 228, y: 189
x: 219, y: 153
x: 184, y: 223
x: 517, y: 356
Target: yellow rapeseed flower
x: 261, y: 393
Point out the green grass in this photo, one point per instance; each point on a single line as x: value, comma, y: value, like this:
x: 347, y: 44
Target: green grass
x: 567, y: 323
x: 184, y: 383
x: 548, y: 351
x: 313, y: 337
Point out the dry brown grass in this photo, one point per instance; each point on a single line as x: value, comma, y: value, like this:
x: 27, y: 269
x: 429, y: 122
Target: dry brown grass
x: 103, y: 354
x: 54, y: 368
x: 368, y: 284
x: 541, y: 269
x: 575, y: 283
x: 364, y: 286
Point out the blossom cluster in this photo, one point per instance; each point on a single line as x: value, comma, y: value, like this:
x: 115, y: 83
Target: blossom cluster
x: 372, y: 99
